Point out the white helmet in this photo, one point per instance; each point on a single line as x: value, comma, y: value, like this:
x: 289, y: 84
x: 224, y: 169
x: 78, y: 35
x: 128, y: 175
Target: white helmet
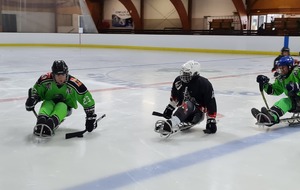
x: 189, y: 70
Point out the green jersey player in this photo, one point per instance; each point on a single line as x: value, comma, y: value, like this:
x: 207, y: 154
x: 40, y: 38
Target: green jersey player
x: 59, y: 92
x: 288, y: 83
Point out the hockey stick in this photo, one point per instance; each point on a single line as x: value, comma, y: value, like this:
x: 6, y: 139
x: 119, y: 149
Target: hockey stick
x: 34, y: 112
x: 261, y: 89
x: 159, y: 114
x: 80, y: 133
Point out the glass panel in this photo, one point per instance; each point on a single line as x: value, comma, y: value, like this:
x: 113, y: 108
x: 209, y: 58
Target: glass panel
x: 46, y: 16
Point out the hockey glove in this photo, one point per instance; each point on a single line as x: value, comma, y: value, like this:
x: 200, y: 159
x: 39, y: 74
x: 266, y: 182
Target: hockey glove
x: 292, y: 87
x: 211, y: 126
x: 262, y: 79
x: 168, y: 111
x: 90, y: 122
x: 58, y: 98
x: 31, y: 102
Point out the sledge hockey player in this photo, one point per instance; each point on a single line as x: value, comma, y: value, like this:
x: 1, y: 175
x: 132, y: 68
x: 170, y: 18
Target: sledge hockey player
x: 285, y: 51
x: 193, y: 96
x: 59, y: 92
x: 288, y: 83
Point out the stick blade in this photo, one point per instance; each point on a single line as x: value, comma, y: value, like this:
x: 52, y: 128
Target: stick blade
x: 157, y: 114
x: 75, y: 134
x: 79, y: 134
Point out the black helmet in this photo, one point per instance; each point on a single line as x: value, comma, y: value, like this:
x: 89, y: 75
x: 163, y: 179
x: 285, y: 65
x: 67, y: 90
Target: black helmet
x: 285, y: 49
x: 59, y: 67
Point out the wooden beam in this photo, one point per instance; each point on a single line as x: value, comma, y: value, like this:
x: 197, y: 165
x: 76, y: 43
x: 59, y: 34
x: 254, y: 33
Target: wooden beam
x: 186, y: 25
x: 142, y: 12
x: 242, y: 12
x: 252, y: 3
x: 134, y: 14
x: 189, y: 12
x: 96, y: 10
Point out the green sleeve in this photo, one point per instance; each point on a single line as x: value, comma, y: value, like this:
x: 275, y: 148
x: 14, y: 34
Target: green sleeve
x: 83, y: 96
x: 279, y: 86
x: 86, y: 100
x: 39, y: 87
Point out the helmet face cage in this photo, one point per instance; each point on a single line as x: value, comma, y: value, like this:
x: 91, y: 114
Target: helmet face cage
x: 185, y: 77
x: 189, y: 70
x: 285, y: 61
x: 59, y: 67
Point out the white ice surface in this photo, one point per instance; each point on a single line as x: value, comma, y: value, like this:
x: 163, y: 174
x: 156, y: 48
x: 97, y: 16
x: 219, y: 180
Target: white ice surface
x: 124, y: 152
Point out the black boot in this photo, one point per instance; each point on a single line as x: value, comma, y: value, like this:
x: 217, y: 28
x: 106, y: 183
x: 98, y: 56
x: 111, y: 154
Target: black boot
x: 51, y: 124
x: 41, y: 120
x: 255, y: 112
x: 273, y: 114
x: 263, y: 117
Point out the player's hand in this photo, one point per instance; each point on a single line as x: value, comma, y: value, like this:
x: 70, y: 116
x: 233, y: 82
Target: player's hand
x: 31, y: 102
x: 168, y: 111
x: 211, y: 126
x: 90, y: 122
x: 262, y: 79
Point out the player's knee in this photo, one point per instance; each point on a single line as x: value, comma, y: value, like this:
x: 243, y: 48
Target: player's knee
x: 61, y: 105
x: 198, y: 117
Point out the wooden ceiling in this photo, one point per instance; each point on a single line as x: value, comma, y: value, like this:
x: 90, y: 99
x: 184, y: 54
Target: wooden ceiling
x: 273, y: 7
x: 253, y: 6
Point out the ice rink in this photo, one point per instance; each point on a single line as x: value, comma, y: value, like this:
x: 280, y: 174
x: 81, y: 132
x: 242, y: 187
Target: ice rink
x: 124, y: 152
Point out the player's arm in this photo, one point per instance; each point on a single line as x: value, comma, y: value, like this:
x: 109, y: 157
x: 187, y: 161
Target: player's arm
x: 211, y: 105
x: 271, y: 89
x: 84, y: 97
x: 275, y: 89
x: 88, y: 104
x: 174, y: 98
x: 39, y: 87
x: 210, y: 101
x: 37, y: 92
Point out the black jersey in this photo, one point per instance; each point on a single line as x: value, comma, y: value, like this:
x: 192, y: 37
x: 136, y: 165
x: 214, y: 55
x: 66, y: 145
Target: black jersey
x: 199, y: 91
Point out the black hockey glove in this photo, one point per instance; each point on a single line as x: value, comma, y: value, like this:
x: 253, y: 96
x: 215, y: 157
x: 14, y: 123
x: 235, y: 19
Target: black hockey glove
x: 292, y: 88
x: 262, y: 79
x: 58, y: 98
x: 90, y: 122
x: 211, y: 126
x: 31, y: 102
x: 168, y: 111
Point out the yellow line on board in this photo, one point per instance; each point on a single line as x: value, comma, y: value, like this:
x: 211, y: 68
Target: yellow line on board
x: 225, y: 51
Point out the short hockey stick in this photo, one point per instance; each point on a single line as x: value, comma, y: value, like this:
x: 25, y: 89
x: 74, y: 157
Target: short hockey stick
x: 80, y: 133
x: 158, y: 114
x: 34, y: 112
x: 261, y: 89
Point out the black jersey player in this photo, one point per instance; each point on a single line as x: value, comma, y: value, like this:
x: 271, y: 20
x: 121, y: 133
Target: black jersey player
x: 285, y: 51
x: 192, y: 97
